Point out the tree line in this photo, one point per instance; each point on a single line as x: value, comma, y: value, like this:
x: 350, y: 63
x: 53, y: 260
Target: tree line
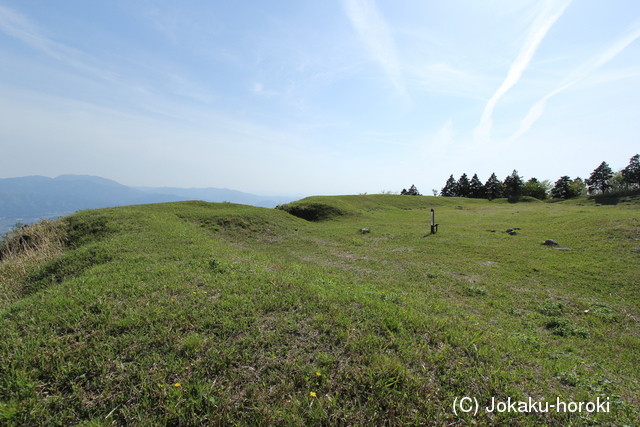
x: 601, y: 181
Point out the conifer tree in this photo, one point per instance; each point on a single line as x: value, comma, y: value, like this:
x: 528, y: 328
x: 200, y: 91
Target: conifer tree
x: 562, y: 189
x: 450, y: 188
x: 476, y: 188
x: 413, y: 191
x: 513, y: 185
x: 493, y: 187
x: 599, y: 179
x: 464, y: 187
x: 631, y: 173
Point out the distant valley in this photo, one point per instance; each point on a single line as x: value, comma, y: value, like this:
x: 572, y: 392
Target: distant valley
x: 29, y: 199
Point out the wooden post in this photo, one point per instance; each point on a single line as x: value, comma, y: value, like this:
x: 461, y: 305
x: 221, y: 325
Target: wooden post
x: 434, y: 226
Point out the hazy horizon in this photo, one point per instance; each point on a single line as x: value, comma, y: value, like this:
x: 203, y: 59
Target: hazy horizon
x: 148, y: 188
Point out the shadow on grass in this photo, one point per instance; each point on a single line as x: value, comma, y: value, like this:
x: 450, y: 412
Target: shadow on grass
x: 613, y: 198
x: 606, y: 200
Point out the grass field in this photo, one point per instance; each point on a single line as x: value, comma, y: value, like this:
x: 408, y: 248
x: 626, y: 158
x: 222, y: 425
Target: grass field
x: 198, y: 313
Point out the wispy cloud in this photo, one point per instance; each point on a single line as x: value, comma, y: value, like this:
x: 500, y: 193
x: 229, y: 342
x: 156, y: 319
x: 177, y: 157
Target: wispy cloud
x: 537, y: 31
x: 376, y: 36
x: 16, y: 25
x: 120, y: 70
x: 577, y: 75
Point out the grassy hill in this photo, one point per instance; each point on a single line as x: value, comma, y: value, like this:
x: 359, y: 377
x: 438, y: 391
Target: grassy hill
x: 195, y: 313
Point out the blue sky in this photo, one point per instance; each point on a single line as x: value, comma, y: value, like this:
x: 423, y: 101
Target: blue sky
x: 317, y: 97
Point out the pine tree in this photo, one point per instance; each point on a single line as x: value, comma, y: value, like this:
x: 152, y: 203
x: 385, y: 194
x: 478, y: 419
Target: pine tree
x: 631, y: 173
x: 476, y: 188
x: 493, y: 187
x: 599, y: 179
x: 413, y: 191
x: 464, y: 187
x: 513, y: 185
x: 450, y: 188
x: 562, y: 189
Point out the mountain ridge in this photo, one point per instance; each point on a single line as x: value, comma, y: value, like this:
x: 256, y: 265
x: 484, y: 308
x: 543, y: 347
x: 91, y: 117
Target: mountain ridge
x: 31, y: 198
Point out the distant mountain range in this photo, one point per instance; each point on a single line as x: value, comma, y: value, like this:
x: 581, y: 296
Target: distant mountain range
x: 32, y: 198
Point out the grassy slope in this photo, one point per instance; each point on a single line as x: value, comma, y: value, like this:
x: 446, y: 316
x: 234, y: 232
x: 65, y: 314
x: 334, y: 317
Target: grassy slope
x: 195, y: 313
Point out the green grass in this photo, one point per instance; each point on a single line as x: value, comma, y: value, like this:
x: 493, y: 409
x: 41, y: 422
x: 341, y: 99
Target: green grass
x: 196, y: 313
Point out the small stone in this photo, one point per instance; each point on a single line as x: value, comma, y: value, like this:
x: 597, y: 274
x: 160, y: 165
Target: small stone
x: 364, y: 231
x: 550, y: 242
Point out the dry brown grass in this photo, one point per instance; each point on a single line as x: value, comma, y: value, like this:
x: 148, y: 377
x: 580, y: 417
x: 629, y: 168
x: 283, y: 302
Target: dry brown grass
x: 23, y: 249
